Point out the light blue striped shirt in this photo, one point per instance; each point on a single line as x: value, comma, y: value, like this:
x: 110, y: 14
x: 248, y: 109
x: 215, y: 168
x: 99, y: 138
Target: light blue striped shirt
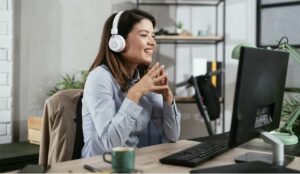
x: 109, y: 119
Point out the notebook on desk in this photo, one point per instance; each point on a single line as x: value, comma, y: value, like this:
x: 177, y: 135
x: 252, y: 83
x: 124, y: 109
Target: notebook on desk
x: 256, y: 109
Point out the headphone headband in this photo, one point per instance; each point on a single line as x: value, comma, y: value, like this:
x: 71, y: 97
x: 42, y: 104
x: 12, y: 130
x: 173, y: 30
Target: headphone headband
x: 114, y: 29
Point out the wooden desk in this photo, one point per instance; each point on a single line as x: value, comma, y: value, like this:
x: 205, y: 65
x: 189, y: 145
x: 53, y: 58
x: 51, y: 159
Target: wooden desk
x: 147, y: 160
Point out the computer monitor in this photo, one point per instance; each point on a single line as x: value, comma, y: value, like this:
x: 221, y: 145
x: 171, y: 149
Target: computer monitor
x: 258, y: 94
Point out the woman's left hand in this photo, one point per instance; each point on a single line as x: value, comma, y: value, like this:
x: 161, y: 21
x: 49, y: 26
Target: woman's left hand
x: 166, y: 93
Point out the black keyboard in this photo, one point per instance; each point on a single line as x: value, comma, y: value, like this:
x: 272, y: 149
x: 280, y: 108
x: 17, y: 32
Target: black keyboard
x: 197, y: 154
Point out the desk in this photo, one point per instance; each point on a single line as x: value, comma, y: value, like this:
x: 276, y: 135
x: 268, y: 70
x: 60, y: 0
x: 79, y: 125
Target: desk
x: 147, y: 160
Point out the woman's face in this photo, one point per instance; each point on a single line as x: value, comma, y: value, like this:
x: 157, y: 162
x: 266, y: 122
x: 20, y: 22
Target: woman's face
x: 140, y: 43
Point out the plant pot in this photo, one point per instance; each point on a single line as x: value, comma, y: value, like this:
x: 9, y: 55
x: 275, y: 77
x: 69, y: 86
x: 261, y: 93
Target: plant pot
x: 179, y: 30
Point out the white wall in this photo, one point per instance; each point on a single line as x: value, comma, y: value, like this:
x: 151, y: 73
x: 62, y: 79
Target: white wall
x: 240, y: 27
x: 6, y: 37
x: 53, y: 38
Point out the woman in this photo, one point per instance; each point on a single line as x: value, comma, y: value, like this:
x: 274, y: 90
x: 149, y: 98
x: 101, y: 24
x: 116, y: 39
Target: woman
x: 122, y: 94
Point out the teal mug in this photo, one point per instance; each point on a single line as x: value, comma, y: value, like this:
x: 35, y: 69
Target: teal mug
x: 122, y: 159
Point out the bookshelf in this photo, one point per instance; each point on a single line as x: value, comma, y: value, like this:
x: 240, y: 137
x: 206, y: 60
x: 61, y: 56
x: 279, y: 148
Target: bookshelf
x: 216, y: 38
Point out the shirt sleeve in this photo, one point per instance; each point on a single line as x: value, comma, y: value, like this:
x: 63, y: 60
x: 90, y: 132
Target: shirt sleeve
x: 166, y: 118
x: 113, y: 126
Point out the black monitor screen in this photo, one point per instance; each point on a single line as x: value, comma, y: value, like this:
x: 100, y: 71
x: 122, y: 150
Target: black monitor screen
x: 258, y: 94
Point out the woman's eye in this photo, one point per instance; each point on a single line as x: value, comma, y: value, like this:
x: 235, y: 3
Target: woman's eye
x: 143, y: 35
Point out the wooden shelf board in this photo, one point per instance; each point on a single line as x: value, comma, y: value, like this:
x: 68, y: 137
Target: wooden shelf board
x: 187, y: 99
x: 189, y: 38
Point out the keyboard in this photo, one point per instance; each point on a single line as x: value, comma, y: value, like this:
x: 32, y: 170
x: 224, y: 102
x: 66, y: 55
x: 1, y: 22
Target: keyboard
x: 197, y: 154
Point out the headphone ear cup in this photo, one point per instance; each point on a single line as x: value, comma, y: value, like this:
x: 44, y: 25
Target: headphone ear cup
x: 116, y: 43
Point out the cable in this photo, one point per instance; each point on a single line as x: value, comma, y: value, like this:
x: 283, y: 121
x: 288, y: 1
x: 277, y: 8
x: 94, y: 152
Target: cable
x: 284, y: 37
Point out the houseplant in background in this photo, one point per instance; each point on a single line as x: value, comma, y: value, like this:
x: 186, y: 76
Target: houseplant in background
x: 179, y: 27
x: 291, y: 107
x: 75, y: 81
x: 34, y: 123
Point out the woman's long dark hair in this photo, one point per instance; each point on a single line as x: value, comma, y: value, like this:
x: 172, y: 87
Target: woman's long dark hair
x: 114, y: 61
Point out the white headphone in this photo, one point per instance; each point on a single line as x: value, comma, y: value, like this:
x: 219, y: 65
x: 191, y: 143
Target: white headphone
x: 116, y: 42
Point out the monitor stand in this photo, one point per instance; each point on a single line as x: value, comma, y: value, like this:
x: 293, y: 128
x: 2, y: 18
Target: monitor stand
x: 277, y: 158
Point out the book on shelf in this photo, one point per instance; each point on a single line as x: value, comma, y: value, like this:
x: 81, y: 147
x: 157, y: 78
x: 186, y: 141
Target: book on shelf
x: 215, y: 80
x: 199, y: 66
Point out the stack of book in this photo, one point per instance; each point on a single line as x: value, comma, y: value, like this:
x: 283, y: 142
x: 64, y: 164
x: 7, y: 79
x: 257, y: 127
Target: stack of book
x: 34, y: 129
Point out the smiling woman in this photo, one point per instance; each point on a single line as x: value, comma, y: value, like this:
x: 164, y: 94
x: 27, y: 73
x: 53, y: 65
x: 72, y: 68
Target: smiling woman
x: 122, y: 95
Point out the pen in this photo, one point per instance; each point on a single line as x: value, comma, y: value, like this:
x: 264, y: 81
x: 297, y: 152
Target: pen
x: 91, y: 168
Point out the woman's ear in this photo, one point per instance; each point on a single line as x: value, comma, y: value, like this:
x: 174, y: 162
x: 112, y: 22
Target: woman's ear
x: 127, y: 45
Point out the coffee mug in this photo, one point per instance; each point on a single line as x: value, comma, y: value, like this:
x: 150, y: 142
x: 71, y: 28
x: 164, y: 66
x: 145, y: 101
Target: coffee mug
x: 122, y: 159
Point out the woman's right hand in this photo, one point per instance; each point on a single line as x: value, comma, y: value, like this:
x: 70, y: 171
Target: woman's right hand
x: 150, y: 82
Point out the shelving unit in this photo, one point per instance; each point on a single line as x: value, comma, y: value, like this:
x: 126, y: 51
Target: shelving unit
x: 215, y: 38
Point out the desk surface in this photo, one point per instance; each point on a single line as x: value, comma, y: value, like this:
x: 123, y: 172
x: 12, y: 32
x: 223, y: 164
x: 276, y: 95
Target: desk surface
x: 147, y: 160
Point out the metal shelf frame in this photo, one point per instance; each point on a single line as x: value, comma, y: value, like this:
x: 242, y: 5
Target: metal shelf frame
x: 213, y: 3
x: 179, y: 3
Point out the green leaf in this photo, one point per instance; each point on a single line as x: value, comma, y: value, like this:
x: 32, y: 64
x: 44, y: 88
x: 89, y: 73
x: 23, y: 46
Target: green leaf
x: 70, y: 82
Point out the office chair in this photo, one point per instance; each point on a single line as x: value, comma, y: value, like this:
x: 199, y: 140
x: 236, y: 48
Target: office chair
x: 206, y: 96
x: 62, y: 136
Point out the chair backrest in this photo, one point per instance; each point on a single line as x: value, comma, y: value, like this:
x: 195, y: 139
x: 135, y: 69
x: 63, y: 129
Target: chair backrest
x: 61, y: 123
x: 78, y: 144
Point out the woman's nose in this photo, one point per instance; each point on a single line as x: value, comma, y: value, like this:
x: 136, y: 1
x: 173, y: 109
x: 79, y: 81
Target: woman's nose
x: 152, y: 41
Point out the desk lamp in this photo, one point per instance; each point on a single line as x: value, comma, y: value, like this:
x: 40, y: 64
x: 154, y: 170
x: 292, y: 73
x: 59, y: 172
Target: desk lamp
x: 285, y: 133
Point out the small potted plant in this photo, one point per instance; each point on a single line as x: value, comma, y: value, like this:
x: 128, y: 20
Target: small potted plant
x: 179, y: 27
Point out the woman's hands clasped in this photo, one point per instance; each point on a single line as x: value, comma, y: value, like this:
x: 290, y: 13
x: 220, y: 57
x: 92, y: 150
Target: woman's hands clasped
x: 156, y: 80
